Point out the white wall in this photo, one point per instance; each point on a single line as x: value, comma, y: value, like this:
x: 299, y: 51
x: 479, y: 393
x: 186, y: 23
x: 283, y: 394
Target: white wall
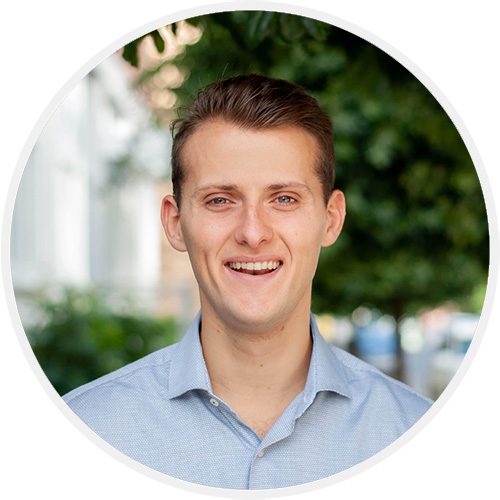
x: 72, y: 225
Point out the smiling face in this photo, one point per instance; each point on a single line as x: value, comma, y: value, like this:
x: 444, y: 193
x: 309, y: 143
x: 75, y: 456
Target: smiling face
x: 253, y: 220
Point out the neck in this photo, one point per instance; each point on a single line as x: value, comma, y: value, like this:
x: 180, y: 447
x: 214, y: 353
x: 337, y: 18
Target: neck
x: 270, y: 364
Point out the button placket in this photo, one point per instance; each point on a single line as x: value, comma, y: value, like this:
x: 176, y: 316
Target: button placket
x: 232, y: 420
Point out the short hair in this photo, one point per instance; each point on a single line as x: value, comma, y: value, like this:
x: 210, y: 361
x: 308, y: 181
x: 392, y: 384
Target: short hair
x: 257, y: 102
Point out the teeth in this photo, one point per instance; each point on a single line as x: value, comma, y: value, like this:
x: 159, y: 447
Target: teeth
x: 255, y: 266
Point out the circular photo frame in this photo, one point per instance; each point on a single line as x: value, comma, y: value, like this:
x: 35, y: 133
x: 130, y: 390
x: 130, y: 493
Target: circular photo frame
x: 97, y: 303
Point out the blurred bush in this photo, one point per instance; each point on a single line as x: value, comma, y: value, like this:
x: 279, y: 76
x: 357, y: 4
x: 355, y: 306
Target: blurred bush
x: 80, y: 337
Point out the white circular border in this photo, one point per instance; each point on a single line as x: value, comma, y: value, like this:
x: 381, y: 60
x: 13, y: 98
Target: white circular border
x: 297, y: 10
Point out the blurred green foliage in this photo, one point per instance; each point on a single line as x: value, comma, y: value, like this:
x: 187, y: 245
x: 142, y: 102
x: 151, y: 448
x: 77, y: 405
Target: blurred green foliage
x: 416, y: 233
x: 79, y: 337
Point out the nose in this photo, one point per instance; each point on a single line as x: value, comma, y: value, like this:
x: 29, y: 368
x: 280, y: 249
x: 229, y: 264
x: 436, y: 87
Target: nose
x: 254, y: 228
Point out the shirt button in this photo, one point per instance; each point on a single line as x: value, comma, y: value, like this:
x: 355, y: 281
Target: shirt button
x: 214, y: 402
x: 260, y: 454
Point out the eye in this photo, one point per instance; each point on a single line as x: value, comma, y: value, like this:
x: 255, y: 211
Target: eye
x: 218, y: 201
x: 285, y: 200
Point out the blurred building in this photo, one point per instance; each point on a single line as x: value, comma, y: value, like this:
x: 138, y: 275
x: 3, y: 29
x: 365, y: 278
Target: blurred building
x: 87, y: 211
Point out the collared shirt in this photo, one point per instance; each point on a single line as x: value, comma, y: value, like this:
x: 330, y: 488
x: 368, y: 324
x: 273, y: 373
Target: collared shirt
x: 161, y: 411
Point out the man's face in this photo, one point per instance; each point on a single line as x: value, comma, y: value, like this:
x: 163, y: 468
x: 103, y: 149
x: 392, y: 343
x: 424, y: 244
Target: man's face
x: 253, y: 220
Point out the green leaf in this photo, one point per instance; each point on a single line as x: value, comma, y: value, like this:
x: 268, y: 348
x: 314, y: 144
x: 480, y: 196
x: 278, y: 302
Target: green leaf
x: 316, y: 29
x: 258, y: 27
x: 291, y: 27
x: 158, y: 40
x: 130, y: 52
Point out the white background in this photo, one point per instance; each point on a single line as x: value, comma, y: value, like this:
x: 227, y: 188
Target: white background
x: 43, y: 45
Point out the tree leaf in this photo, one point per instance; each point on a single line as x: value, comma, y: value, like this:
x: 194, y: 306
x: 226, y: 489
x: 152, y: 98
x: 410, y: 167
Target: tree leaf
x: 291, y: 27
x: 158, y: 40
x: 258, y: 27
x: 130, y: 53
x: 316, y: 29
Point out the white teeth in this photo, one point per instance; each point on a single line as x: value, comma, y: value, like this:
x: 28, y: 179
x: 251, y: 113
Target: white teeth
x: 255, y: 266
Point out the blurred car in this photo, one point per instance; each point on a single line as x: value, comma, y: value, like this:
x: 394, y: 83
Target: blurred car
x: 376, y: 343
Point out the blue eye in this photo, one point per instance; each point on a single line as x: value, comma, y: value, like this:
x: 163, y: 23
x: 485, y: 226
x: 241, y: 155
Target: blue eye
x: 218, y: 201
x: 285, y: 200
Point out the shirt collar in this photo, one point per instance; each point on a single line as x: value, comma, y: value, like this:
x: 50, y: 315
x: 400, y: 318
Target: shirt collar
x: 326, y: 371
x: 188, y: 370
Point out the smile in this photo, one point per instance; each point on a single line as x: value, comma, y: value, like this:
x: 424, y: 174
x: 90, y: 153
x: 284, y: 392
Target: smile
x: 255, y: 268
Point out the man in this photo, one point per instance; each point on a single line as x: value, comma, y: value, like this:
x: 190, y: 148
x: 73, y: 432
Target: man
x: 252, y: 397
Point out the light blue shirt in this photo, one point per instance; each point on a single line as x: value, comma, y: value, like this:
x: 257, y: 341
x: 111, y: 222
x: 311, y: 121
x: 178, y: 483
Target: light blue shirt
x: 161, y: 411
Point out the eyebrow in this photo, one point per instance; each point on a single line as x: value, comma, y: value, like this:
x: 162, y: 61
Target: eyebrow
x: 288, y: 185
x: 272, y: 187
x: 217, y: 187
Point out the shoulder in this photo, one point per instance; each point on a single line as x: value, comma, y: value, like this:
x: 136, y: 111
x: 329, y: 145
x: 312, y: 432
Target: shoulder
x: 146, y: 375
x: 380, y: 393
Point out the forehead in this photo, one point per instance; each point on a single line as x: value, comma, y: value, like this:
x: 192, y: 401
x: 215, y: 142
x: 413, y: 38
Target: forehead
x: 221, y: 151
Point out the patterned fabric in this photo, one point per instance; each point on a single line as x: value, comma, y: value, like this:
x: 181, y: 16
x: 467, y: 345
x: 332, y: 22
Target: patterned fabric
x: 160, y: 411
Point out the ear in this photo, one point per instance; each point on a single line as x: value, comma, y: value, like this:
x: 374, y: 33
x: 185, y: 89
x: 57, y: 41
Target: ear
x: 170, y: 219
x: 335, y: 216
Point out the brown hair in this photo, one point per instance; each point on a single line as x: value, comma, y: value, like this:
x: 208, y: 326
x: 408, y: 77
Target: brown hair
x: 255, y: 101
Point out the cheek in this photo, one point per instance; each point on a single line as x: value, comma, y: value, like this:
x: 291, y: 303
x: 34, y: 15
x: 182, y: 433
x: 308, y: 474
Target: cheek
x: 307, y: 244
x: 203, y: 238
x: 305, y: 234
